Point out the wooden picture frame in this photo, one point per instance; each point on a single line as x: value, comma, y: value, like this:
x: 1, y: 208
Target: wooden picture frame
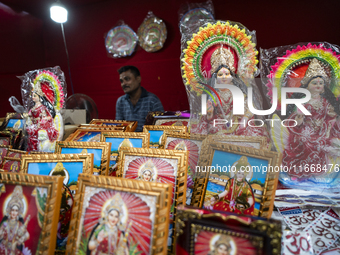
x: 102, y: 126
x: 100, y: 151
x: 50, y: 164
x: 156, y: 165
x: 88, y: 134
x: 168, y: 116
x: 130, y: 125
x: 187, y: 142
x: 124, y: 139
x: 37, y: 200
x: 11, y: 165
x: 13, y: 121
x: 205, y: 232
x: 260, y: 177
x: 13, y: 153
x: 256, y: 142
x: 156, y: 133
x: 3, y: 152
x: 141, y: 210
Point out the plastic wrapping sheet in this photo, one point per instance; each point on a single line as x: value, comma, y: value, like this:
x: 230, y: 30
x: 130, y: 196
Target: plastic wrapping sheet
x: 309, y: 140
x: 219, y: 47
x: 44, y: 93
x: 191, y: 13
x: 152, y: 33
x: 120, y: 41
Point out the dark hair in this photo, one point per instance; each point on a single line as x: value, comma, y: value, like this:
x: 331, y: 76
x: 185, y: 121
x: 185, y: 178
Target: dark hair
x: 48, y: 105
x: 236, y: 79
x: 133, y: 70
x: 327, y: 94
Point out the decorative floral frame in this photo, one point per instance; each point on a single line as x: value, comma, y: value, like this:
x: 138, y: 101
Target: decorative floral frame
x: 47, y: 240
x: 181, y: 178
x: 266, y: 197
x: 256, y: 142
x: 130, y: 125
x: 85, y: 159
x: 150, y: 128
x: 263, y: 235
x: 161, y: 193
x: 103, y: 146
x: 79, y: 131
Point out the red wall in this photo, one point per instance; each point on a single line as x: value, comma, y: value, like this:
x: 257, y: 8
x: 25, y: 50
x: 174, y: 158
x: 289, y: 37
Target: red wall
x: 29, y: 43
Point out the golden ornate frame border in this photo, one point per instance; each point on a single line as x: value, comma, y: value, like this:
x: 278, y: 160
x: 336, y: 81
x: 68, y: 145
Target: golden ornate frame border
x: 261, y: 140
x: 132, y: 125
x: 86, y: 159
x: 53, y: 184
x: 105, y: 147
x: 161, y: 191
x: 144, y: 136
x: 75, y: 133
x: 206, y: 157
x: 177, y: 129
x: 181, y: 179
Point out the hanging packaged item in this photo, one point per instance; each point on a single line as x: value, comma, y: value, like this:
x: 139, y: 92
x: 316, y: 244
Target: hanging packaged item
x: 44, y: 93
x: 120, y: 41
x: 152, y: 33
x: 303, y: 81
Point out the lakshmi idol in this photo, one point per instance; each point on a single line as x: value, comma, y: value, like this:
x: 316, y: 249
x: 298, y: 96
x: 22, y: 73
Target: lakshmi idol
x: 221, y: 53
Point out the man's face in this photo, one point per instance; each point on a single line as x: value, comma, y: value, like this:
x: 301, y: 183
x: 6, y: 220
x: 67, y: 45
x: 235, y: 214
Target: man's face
x: 129, y: 82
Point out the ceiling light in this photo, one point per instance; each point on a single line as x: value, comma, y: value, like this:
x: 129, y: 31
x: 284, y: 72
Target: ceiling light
x: 58, y: 13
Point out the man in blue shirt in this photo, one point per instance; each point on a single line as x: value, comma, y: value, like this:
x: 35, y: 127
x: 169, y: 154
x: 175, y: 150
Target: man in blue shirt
x: 137, y: 102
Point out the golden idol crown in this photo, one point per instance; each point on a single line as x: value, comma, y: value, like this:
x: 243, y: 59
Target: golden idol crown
x: 315, y: 69
x: 116, y: 203
x: 37, y: 89
x: 149, y: 166
x: 243, y: 161
x: 223, y: 240
x: 16, y: 199
x: 222, y: 56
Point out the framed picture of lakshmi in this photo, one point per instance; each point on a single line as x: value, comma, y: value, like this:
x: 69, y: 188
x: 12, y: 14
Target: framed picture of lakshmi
x: 11, y: 165
x: 186, y: 142
x: 168, y: 118
x: 159, y: 166
x: 130, y: 126
x: 204, y: 232
x: 29, y: 214
x: 119, y: 216
x: 236, y: 179
x: 67, y: 165
x: 256, y: 142
x: 100, y: 151
x: 156, y: 133
x: 123, y: 139
x: 3, y: 152
x: 13, y: 121
x: 88, y: 134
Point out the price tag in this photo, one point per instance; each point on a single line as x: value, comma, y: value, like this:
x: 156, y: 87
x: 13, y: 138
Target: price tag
x: 296, y: 243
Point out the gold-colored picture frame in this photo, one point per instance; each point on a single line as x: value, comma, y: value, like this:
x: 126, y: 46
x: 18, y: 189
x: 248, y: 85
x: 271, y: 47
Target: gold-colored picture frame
x: 67, y: 165
x: 157, y: 165
x: 100, y: 151
x: 256, y: 142
x: 37, y: 199
x: 217, y: 171
x: 123, y: 139
x: 130, y: 125
x: 101, y: 126
x: 11, y: 165
x: 141, y: 228
x: 156, y: 133
x: 204, y: 232
x: 88, y: 134
x: 187, y: 142
x: 13, y: 153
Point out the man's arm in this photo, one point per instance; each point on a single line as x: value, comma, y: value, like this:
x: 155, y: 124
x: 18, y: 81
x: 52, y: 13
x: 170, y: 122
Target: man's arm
x: 119, y: 110
x: 157, y: 105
